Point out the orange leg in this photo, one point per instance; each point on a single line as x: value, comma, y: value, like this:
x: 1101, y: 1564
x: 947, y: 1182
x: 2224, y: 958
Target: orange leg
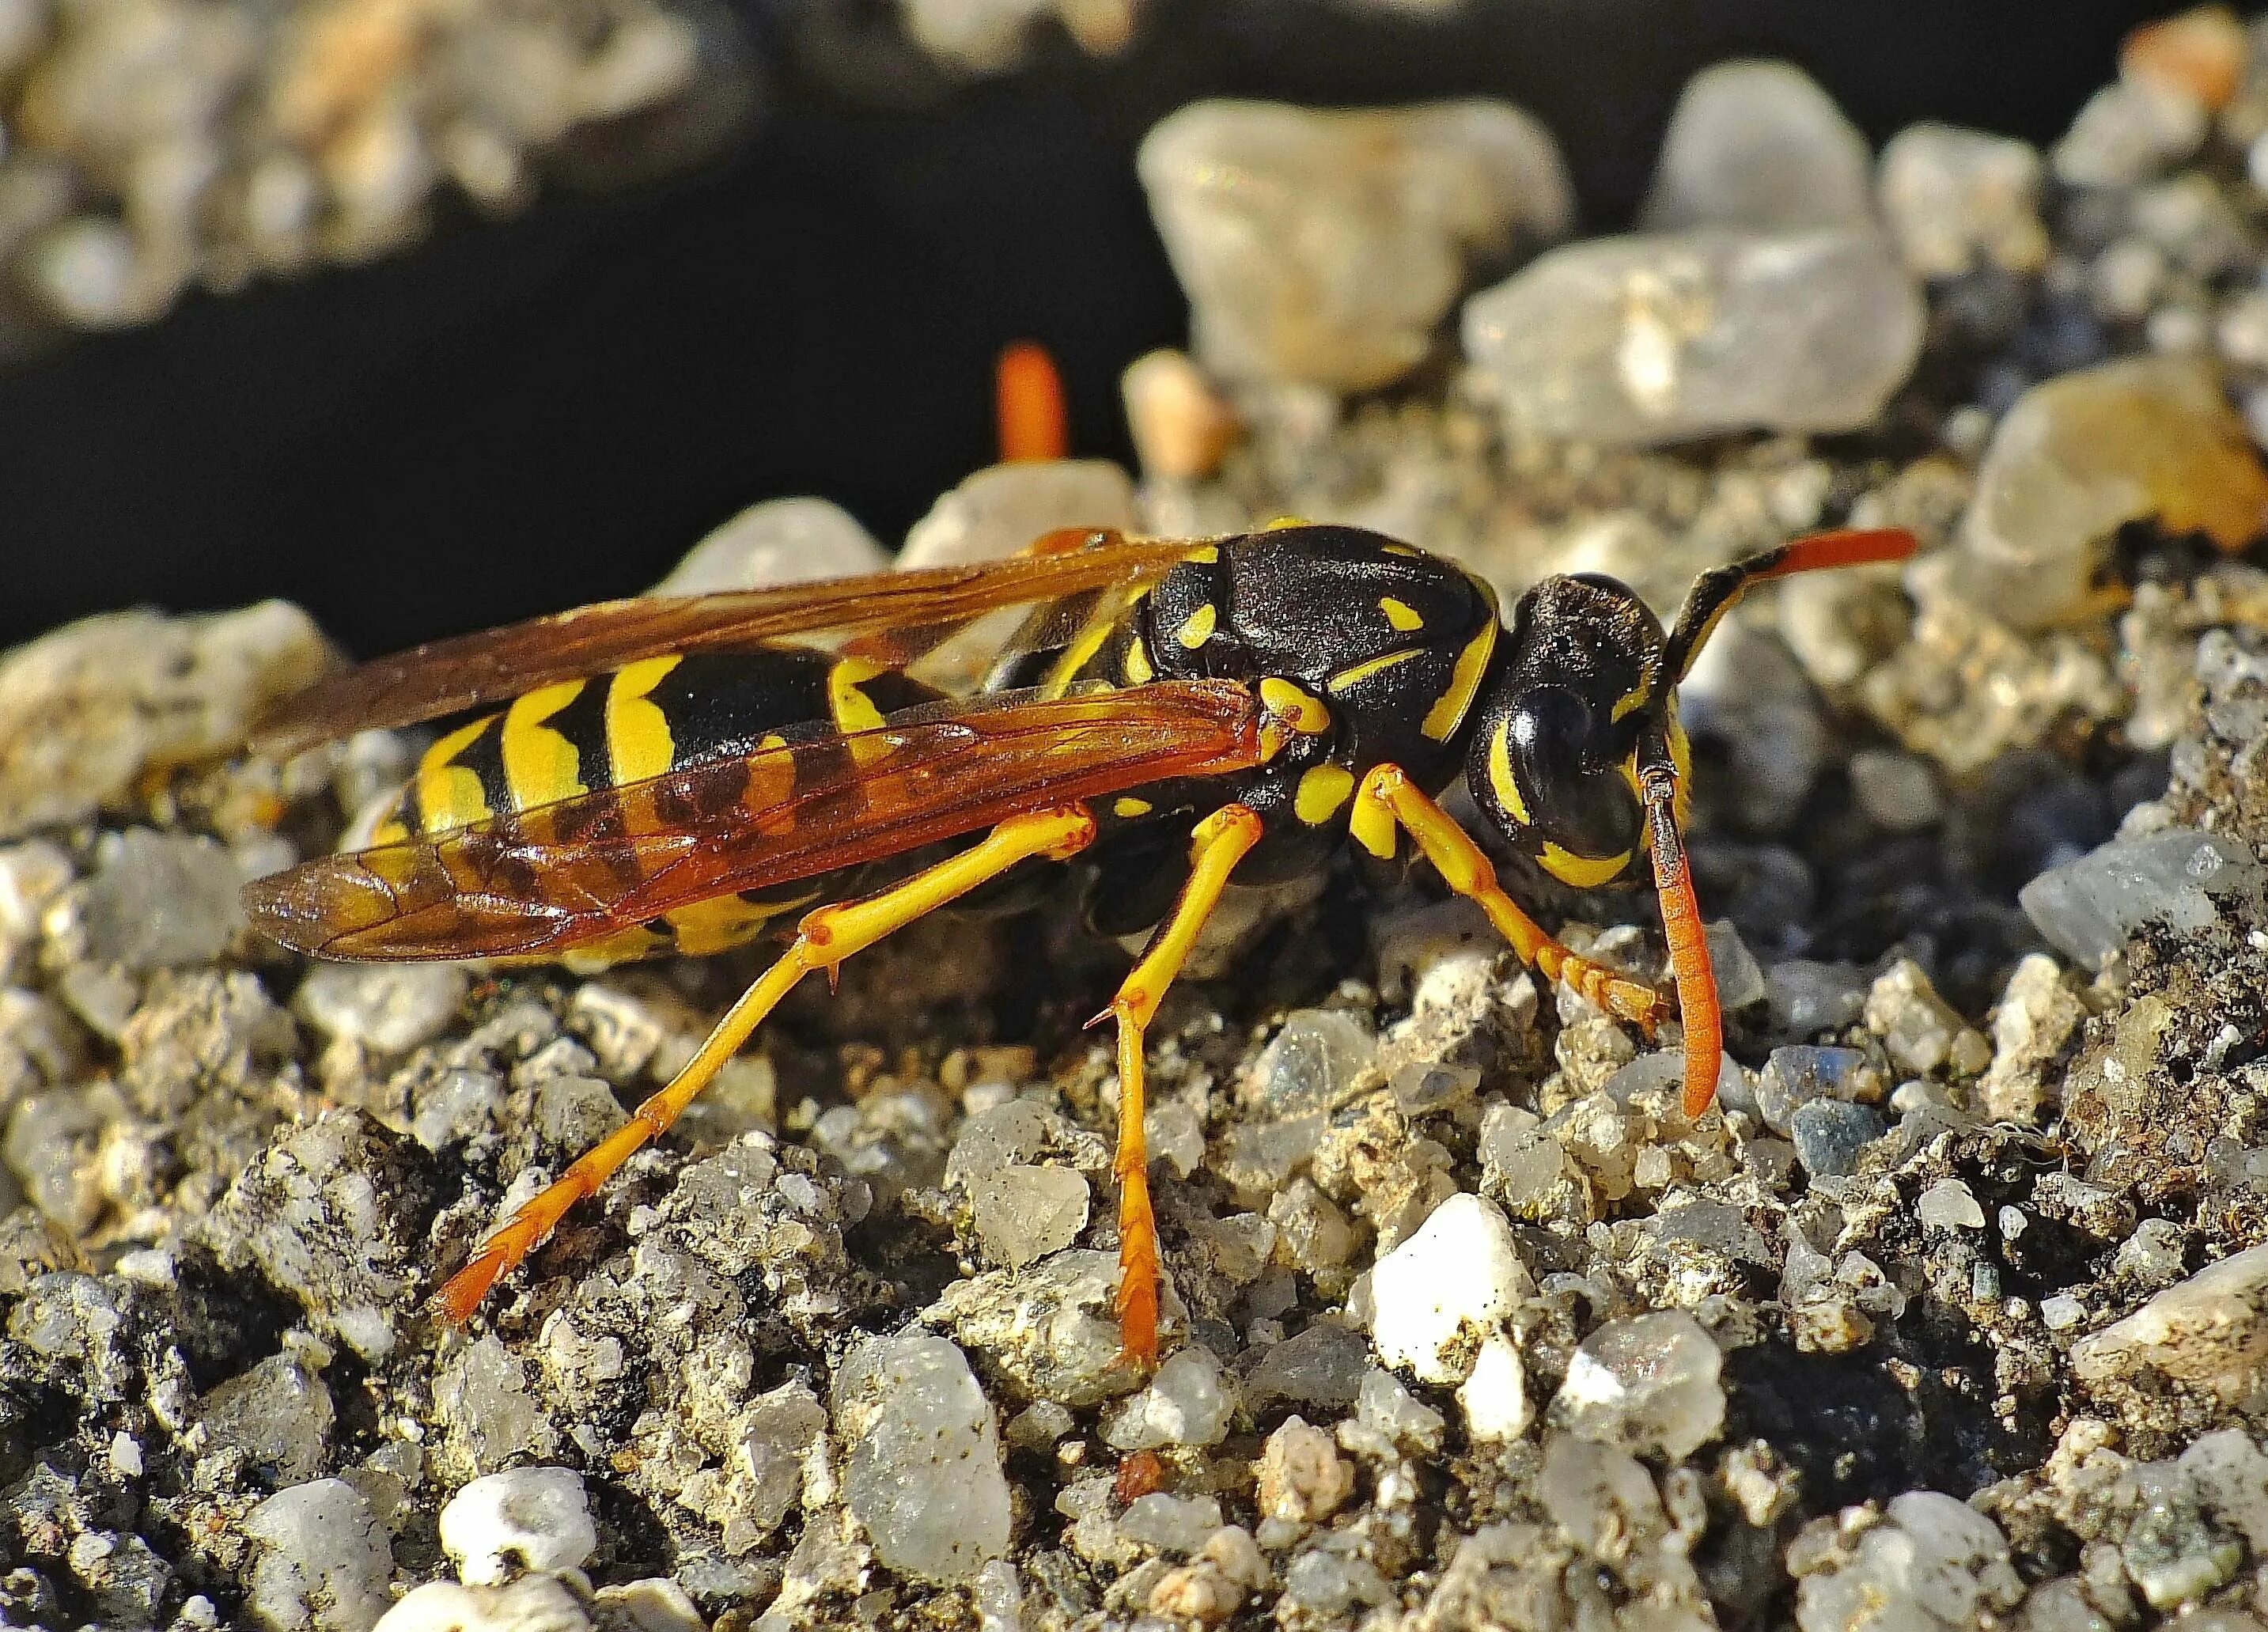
x: 826, y: 936
x: 1034, y: 424
x: 1388, y: 799
x: 1219, y: 842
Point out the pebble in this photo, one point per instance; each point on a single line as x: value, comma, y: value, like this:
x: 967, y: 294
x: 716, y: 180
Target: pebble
x: 1666, y: 337
x: 1898, y: 791
x: 1170, y: 1523
x: 1828, y: 1135
x: 2128, y: 133
x: 1948, y: 1204
x: 1437, y: 1296
x: 388, y: 1008
x: 1758, y: 144
x: 493, y: 1419
x: 528, y: 1518
x: 2200, y: 54
x: 324, y: 1564
x: 1384, y: 1407
x: 1808, y: 997
x: 156, y: 900
x: 1795, y: 1077
x: 86, y: 710
x: 1958, y: 201
x: 779, y: 541
x: 1323, y: 1366
x: 1188, y: 1402
x: 1051, y: 1327
x: 2209, y: 1332
x: 1324, y: 248
x: 1180, y: 423
x: 2177, y: 876
x: 276, y: 1417
x: 1937, y: 1563
x: 1002, y: 508
x: 2153, y: 1256
x: 1494, y: 1398
x: 535, y: 1604
x: 1023, y: 1213
x: 1648, y: 1384
x: 1920, y: 1031
x: 2079, y: 457
x: 924, y: 1474
x: 1302, y: 1478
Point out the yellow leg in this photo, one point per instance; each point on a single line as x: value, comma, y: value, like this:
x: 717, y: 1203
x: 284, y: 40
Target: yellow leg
x: 1388, y: 797
x: 1220, y: 841
x: 826, y: 936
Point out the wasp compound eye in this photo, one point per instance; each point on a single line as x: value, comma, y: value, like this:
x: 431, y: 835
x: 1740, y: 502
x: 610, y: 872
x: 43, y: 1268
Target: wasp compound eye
x: 1542, y: 771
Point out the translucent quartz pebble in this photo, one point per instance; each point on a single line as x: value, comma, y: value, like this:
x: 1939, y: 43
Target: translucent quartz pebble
x: 2081, y: 456
x: 1002, y: 508
x: 1664, y: 337
x: 1958, y: 199
x: 923, y: 1476
x: 1648, y: 1384
x: 786, y: 540
x: 1937, y: 1563
x: 1023, y: 1213
x: 1758, y: 144
x: 2088, y: 908
x: 1324, y: 248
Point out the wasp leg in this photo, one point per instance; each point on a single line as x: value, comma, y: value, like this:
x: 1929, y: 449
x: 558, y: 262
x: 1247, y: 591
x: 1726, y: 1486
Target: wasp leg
x: 1029, y: 405
x: 1388, y: 797
x: 1219, y: 842
x: 826, y: 936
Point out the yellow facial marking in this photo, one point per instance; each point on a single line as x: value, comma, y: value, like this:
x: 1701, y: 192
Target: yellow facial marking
x: 852, y: 709
x: 1401, y: 614
x: 1299, y: 709
x: 449, y: 795
x: 541, y: 767
x: 1353, y: 675
x: 1282, y: 522
x: 1205, y: 555
x: 1322, y: 789
x: 1448, y: 710
x: 638, y: 737
x: 1632, y: 699
x: 1129, y: 807
x: 1501, y: 780
x: 1136, y: 667
x: 1585, y: 872
x: 1198, y: 629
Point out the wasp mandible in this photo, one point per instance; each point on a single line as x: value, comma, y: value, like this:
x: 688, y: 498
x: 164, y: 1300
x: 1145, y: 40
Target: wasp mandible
x: 654, y: 776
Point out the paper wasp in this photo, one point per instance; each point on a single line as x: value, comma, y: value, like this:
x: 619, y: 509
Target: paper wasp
x: 647, y: 776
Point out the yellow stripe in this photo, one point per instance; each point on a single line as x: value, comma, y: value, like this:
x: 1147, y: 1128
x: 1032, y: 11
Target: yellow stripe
x: 1203, y: 555
x: 852, y: 709
x: 1129, y: 806
x: 1500, y: 777
x: 1402, y: 549
x: 1301, y: 710
x: 1347, y: 679
x: 450, y: 795
x: 1401, y: 614
x: 1136, y: 668
x: 1635, y: 697
x: 1583, y: 871
x: 540, y: 766
x: 1321, y: 790
x: 1198, y: 629
x: 638, y: 739
x: 1448, y: 710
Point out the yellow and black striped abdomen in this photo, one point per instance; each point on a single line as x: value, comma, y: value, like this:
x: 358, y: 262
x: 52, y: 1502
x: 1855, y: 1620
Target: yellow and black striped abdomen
x: 590, y: 736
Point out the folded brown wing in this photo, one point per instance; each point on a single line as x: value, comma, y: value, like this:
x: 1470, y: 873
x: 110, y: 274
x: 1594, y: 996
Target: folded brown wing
x: 545, y: 880
x: 494, y: 666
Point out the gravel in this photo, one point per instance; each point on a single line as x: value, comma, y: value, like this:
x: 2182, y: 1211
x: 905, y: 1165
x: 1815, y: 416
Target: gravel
x: 1951, y: 1317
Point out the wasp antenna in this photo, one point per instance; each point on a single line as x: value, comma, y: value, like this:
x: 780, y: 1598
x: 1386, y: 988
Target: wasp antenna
x: 1714, y: 593
x: 1689, y: 942
x: 1034, y: 424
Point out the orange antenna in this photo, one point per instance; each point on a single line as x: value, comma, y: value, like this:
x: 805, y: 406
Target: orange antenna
x: 1033, y: 422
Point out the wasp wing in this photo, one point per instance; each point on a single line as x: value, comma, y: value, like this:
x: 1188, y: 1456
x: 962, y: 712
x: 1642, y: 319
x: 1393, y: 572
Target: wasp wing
x: 538, y: 882
x: 896, y: 615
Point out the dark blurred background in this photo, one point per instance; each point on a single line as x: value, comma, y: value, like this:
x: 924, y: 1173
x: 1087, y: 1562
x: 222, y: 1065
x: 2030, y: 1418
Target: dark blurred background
x: 517, y: 418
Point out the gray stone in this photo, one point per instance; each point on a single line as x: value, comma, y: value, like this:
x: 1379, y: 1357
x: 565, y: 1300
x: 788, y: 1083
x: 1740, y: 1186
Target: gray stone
x: 1661, y: 338
x: 1758, y: 144
x: 2209, y: 1332
x: 388, y: 1008
x: 1050, y: 1329
x: 1957, y: 199
x: 1795, y: 1076
x: 2127, y: 134
x: 1938, y: 1563
x: 1828, y: 1135
x: 159, y: 899
x: 1808, y: 997
x: 1170, y: 1523
x: 1023, y: 1213
x: 923, y: 1472
x: 2177, y: 876
x: 276, y: 1418
x: 1897, y: 791
x: 1384, y: 1407
x: 785, y: 541
x: 1325, y: 247
x: 493, y: 1420
x: 323, y: 1564
x: 1649, y: 1385
x: 529, y: 1518
x: 1322, y: 1367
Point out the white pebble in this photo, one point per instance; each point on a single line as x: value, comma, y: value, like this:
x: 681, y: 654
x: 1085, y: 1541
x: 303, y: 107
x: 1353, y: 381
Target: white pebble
x: 1950, y: 1204
x: 538, y: 1604
x: 1002, y: 508
x: 1495, y: 1396
x: 536, y: 1518
x: 1435, y: 1297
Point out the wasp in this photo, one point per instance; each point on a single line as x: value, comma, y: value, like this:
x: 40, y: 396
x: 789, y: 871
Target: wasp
x: 656, y: 775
